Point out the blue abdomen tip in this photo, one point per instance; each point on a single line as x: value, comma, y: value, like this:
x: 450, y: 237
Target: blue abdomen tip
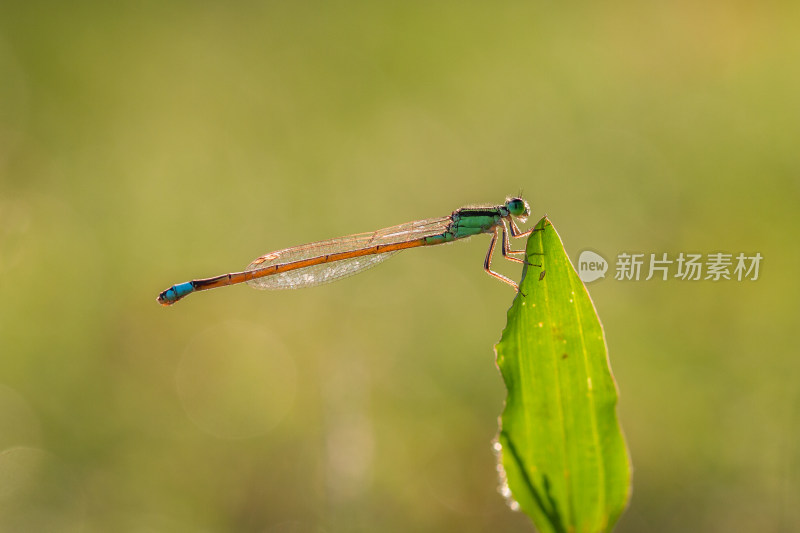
x: 175, y: 293
x: 183, y: 289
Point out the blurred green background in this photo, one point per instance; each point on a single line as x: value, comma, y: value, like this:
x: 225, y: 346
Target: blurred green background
x: 147, y: 143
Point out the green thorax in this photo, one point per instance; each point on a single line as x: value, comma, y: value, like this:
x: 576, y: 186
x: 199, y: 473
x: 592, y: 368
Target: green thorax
x: 469, y: 221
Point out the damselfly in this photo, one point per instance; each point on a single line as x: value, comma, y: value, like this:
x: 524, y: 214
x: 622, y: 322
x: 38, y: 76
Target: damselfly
x: 326, y: 261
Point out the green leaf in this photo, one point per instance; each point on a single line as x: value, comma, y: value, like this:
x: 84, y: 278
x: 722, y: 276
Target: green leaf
x: 563, y: 452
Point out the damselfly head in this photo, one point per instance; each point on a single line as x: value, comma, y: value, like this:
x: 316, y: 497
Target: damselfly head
x: 517, y: 207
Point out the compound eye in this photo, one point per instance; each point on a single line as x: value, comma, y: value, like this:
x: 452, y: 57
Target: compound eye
x: 518, y: 207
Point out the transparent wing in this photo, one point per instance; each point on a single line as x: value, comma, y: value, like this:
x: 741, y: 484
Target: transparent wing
x: 334, y: 270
